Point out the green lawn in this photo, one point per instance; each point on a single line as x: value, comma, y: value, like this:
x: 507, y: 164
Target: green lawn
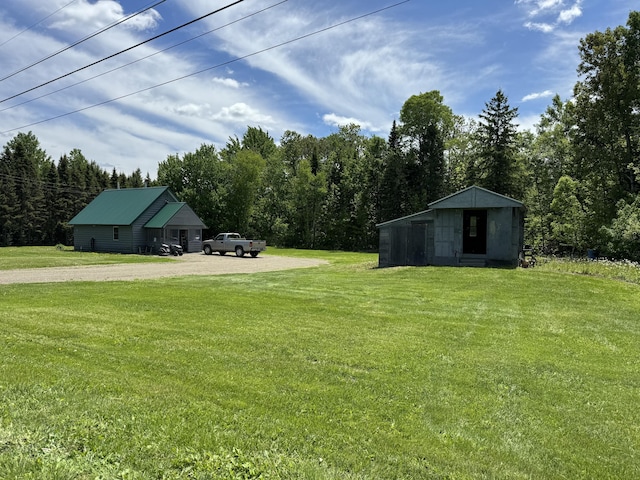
x: 38, y: 257
x: 341, y: 371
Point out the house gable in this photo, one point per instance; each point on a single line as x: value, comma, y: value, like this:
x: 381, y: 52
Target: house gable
x: 176, y: 213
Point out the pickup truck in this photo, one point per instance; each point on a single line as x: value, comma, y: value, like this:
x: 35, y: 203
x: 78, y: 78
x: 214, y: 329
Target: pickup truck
x: 233, y: 242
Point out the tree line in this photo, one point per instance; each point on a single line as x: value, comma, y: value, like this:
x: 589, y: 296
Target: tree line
x: 578, y: 172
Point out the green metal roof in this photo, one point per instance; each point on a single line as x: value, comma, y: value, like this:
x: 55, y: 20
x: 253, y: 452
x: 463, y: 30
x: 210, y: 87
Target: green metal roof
x: 164, y: 215
x: 118, y: 207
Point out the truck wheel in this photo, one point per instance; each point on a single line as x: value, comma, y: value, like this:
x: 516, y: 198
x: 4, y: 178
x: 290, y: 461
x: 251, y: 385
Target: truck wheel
x: 207, y: 250
x: 239, y: 251
x: 254, y: 254
x: 221, y: 252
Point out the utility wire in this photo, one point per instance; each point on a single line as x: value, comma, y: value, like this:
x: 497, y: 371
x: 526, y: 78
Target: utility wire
x: 143, y: 58
x: 38, y: 22
x: 44, y: 184
x: 237, y: 59
x: 95, y: 34
x: 125, y: 50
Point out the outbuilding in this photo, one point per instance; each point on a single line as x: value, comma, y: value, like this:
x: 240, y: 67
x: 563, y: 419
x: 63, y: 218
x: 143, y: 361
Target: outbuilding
x: 472, y: 227
x: 136, y: 220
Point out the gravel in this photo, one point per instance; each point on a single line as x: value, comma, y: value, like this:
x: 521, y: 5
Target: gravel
x: 186, y: 265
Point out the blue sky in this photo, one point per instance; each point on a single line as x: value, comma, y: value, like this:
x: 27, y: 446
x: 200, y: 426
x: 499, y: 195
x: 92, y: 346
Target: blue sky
x: 255, y: 73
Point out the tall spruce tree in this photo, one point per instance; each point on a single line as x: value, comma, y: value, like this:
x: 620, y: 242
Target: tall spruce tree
x: 394, y: 190
x: 496, y: 167
x: 23, y: 162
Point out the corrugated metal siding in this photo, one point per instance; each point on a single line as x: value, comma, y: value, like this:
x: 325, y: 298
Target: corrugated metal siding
x: 384, y: 248
x: 406, y: 244
x: 448, y: 233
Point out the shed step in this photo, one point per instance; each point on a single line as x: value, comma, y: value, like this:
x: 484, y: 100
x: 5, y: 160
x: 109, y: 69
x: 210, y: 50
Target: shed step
x: 473, y: 262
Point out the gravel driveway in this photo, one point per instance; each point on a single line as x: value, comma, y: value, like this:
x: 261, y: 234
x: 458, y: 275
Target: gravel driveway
x: 188, y: 264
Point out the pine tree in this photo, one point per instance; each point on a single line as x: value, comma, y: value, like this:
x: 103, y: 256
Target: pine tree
x: 496, y: 138
x: 23, y: 162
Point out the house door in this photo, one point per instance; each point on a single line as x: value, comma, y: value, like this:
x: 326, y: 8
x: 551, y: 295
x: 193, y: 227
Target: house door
x: 474, y: 235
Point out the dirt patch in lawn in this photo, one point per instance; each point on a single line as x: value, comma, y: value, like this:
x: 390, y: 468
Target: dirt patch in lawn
x: 188, y: 264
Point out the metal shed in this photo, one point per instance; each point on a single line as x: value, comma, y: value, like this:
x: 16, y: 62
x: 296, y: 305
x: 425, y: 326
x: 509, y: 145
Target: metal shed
x: 136, y: 220
x: 472, y: 227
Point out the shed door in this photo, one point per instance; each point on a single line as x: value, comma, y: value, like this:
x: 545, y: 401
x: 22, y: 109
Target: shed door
x: 418, y: 250
x: 474, y: 235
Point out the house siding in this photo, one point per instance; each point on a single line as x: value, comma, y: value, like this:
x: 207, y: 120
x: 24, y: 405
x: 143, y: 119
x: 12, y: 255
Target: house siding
x: 102, y: 236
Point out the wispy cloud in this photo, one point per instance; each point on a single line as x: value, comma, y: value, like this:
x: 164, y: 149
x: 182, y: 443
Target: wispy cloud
x: 550, y: 14
x: 540, y: 27
x: 337, y: 121
x: 569, y: 15
x: 229, y: 82
x: 84, y: 14
x: 536, y: 96
x: 243, y: 114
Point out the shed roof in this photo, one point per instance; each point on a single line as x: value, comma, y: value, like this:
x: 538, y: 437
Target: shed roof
x: 471, y: 197
x: 408, y: 217
x: 475, y: 197
x: 119, y: 207
x: 171, y: 210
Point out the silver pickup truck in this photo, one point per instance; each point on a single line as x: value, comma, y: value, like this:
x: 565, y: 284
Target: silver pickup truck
x: 233, y: 242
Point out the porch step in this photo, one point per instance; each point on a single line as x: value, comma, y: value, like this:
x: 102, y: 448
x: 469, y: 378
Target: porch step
x: 472, y: 262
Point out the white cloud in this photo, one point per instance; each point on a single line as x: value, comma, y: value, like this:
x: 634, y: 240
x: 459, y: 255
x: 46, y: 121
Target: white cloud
x: 541, y: 27
x: 569, y: 15
x: 551, y: 14
x: 528, y: 122
x: 537, y: 7
x: 194, y: 110
x: 228, y: 82
x: 337, y: 121
x: 243, y: 114
x: 536, y: 96
x: 82, y: 14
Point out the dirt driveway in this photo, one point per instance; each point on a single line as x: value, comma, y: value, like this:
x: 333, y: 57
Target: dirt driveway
x: 188, y: 264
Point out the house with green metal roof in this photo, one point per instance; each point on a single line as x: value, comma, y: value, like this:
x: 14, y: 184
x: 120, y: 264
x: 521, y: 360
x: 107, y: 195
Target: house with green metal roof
x: 136, y: 220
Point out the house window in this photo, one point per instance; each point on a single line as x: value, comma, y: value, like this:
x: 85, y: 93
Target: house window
x: 473, y: 226
x: 116, y: 233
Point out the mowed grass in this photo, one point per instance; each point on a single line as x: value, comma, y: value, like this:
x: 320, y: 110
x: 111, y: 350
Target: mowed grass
x: 341, y: 371
x: 40, y: 257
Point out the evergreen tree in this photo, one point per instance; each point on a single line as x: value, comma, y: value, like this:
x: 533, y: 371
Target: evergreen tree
x: 51, y: 195
x: 8, y: 204
x: 23, y: 163
x: 497, y: 167
x: 394, y: 190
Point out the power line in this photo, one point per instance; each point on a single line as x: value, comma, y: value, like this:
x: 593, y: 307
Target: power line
x: 95, y: 34
x: 144, y: 58
x: 37, y: 23
x: 237, y: 59
x: 44, y: 184
x: 125, y: 50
